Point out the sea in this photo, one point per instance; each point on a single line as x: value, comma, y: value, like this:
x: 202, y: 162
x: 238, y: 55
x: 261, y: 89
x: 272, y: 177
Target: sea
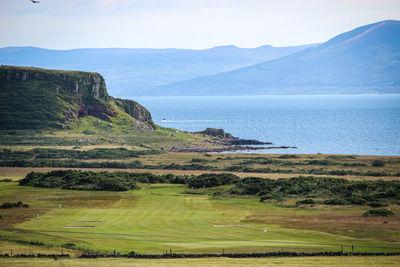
x: 327, y: 124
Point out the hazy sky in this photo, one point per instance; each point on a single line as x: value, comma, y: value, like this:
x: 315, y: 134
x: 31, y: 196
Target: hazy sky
x: 65, y: 24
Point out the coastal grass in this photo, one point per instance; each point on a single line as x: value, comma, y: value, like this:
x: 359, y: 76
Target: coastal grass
x: 164, y: 217
x: 220, y: 262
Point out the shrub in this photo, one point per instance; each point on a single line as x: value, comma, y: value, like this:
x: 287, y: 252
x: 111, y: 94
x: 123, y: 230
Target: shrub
x: 378, y: 212
x: 212, y: 179
x: 376, y: 204
x: 287, y: 156
x: 305, y: 202
x: 8, y: 205
x: 68, y: 245
x: 356, y: 200
x: 335, y: 201
x: 378, y: 163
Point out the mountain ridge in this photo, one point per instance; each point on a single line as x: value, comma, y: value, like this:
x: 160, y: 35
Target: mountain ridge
x: 130, y: 70
x: 364, y: 60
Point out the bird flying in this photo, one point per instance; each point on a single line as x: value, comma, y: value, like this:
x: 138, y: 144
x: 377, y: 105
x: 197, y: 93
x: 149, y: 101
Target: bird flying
x: 35, y: 2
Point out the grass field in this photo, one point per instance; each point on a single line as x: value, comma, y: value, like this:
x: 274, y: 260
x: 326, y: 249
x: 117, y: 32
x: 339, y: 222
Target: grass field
x: 161, y: 217
x: 221, y: 262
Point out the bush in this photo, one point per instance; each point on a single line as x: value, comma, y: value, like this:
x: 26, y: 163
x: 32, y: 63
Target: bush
x: 378, y: 212
x: 68, y: 245
x: 340, y: 191
x: 378, y: 163
x: 335, y: 201
x: 305, y: 202
x: 287, y: 156
x: 212, y: 179
x: 376, y: 204
x: 8, y: 205
x: 356, y: 200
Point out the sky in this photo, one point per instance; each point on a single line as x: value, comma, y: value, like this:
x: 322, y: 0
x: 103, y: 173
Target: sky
x: 68, y: 24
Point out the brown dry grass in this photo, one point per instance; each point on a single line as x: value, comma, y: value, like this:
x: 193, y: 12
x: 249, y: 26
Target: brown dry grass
x: 347, y: 220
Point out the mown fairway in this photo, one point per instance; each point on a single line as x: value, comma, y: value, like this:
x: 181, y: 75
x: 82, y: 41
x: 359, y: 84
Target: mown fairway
x: 158, y: 218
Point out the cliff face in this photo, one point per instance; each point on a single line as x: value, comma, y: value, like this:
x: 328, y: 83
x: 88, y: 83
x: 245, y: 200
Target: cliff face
x: 37, y: 98
x: 134, y: 109
x: 85, y: 84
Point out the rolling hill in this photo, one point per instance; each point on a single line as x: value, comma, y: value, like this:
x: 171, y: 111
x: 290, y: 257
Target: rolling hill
x: 364, y: 60
x: 129, y: 71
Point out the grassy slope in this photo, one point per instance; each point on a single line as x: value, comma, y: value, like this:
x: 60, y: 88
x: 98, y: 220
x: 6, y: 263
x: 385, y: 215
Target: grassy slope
x: 160, y: 218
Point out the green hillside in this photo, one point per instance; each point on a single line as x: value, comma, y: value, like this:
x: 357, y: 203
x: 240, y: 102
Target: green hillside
x: 34, y: 98
x: 41, y: 107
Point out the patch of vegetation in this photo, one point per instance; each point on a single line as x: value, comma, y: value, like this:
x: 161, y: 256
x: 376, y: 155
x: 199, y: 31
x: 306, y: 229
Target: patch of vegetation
x: 9, y: 205
x: 378, y: 212
x: 69, y: 245
x: 288, y: 156
x: 79, y: 180
x: 52, y: 153
x: 341, y: 191
x: 307, y: 201
x: 376, y: 204
x: 323, y: 162
x: 212, y: 179
x: 118, y: 181
x: 74, y: 164
x: 340, y: 157
x: 335, y: 201
x: 378, y: 163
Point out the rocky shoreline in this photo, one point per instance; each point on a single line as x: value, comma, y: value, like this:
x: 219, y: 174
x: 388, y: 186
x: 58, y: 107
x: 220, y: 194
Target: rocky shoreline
x: 220, y: 141
x: 204, y: 149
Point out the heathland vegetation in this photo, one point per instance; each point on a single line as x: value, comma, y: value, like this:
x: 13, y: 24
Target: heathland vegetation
x: 328, y: 191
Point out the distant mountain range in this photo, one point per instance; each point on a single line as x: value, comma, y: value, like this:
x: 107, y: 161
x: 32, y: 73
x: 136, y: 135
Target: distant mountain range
x: 364, y: 60
x: 130, y: 71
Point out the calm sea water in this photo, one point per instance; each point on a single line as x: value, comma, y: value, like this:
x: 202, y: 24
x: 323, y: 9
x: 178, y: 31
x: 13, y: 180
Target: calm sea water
x: 346, y: 124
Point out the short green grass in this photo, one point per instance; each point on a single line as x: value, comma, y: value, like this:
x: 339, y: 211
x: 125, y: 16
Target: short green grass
x: 161, y: 217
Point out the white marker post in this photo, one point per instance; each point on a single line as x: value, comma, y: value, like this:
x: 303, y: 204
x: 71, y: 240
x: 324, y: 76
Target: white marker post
x: 59, y: 205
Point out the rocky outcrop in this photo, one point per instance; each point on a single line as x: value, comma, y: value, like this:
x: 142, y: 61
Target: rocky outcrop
x: 219, y: 133
x: 224, y: 138
x: 134, y: 109
x: 96, y: 110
